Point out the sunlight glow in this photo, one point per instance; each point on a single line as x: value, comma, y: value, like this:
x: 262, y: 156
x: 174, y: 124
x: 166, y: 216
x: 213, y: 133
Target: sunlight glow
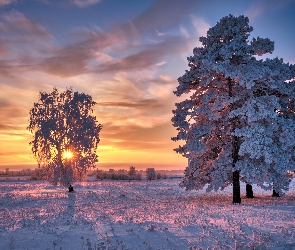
x: 68, y: 154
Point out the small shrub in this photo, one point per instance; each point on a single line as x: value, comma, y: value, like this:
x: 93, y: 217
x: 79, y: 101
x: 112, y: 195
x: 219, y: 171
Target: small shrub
x: 120, y: 174
x: 151, y: 174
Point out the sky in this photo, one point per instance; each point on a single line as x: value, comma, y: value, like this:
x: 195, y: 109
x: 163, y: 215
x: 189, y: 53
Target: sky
x: 126, y: 54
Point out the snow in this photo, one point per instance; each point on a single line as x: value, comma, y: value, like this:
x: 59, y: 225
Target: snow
x: 141, y: 215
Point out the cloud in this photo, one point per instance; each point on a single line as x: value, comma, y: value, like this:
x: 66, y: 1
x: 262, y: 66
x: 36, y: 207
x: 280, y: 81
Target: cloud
x: 14, y: 135
x: 166, y: 78
x: 96, y: 37
x: 184, y: 32
x: 66, y: 61
x: 6, y: 2
x: 138, y: 138
x: 120, y: 74
x: 15, y: 24
x: 141, y: 60
x: 103, y: 57
x: 148, y: 55
x: 258, y: 8
x: 4, y: 102
x: 87, y: 50
x: 85, y: 3
x: 14, y: 108
x: 9, y: 113
x: 71, y: 59
x: 200, y: 25
x: 141, y: 104
x: 130, y: 105
x: 136, y: 100
x: 160, y: 63
x: 22, y: 41
x: 82, y: 55
x: 4, y: 127
x: 163, y: 14
x: 160, y: 33
x: 144, y: 113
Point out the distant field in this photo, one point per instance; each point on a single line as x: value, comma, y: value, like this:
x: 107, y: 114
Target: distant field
x: 141, y: 215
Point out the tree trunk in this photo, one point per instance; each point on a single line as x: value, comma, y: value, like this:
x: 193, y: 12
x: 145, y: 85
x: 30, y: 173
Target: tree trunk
x: 236, y: 187
x: 249, y: 191
x: 235, y: 153
x: 236, y: 174
x: 275, y: 194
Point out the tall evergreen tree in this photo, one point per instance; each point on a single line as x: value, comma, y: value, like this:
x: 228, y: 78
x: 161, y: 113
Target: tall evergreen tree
x: 234, y: 97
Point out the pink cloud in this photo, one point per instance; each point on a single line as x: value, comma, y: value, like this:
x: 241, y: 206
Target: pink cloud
x: 81, y: 55
x: 16, y: 24
x: 6, y: 2
x: 147, y: 55
x: 200, y: 25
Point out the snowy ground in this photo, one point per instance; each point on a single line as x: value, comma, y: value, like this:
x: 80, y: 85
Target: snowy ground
x: 141, y: 215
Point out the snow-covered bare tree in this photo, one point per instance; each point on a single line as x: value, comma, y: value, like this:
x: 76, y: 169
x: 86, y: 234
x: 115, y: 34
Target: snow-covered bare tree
x: 238, y: 113
x: 66, y: 135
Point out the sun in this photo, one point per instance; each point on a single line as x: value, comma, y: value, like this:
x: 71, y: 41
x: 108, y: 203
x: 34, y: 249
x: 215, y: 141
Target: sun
x: 68, y: 154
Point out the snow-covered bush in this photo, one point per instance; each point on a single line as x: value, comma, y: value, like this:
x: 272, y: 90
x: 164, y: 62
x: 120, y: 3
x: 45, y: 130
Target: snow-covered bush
x: 151, y: 173
x: 161, y: 176
x: 116, y: 175
x: 38, y: 174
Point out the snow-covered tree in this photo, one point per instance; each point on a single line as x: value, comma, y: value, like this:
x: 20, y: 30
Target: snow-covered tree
x: 240, y: 109
x: 66, y: 135
x: 132, y: 171
x: 267, y: 150
x: 151, y: 174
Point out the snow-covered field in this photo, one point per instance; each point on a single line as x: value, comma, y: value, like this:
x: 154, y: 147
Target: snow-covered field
x: 141, y: 215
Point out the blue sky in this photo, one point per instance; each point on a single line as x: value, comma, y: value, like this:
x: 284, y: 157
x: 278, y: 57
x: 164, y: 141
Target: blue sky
x: 126, y: 54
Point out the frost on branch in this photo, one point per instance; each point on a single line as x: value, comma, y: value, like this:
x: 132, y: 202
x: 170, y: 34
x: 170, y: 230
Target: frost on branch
x: 238, y: 113
x: 262, y: 46
x: 66, y: 135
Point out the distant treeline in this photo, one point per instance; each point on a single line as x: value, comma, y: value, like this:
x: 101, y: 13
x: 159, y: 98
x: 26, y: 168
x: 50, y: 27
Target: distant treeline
x: 111, y: 174
x: 23, y: 172
x: 132, y: 174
